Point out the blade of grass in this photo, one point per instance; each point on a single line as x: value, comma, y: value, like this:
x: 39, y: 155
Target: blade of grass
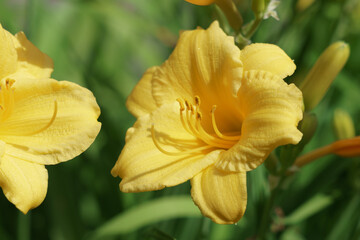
x: 148, y: 213
x: 309, y: 208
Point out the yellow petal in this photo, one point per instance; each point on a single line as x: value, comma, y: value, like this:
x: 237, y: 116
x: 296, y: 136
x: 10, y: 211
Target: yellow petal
x: 201, y: 2
x: 141, y: 101
x: 8, y: 57
x: 31, y: 59
x: 143, y: 167
x: 204, y: 63
x: 272, y: 110
x: 24, y: 183
x: 220, y: 195
x: 32, y: 127
x: 267, y: 57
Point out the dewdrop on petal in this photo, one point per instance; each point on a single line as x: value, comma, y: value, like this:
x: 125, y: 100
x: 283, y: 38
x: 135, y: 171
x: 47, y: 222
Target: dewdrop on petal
x: 322, y: 74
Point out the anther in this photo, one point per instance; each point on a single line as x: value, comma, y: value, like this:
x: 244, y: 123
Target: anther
x: 213, y: 109
x: 192, y: 109
x: 187, y: 105
x: 9, y: 83
x: 182, y: 107
x: 197, y: 101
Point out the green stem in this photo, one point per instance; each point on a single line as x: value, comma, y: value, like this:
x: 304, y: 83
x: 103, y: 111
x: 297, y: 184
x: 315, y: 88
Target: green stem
x: 264, y: 224
x: 253, y: 27
x: 232, y: 14
x: 23, y: 226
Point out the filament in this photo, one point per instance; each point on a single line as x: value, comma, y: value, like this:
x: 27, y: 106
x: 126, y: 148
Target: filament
x: 216, y: 130
x: 157, y: 144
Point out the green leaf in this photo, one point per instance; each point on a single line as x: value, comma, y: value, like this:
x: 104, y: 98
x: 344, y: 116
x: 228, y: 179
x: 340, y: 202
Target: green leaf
x: 347, y: 221
x: 309, y: 208
x: 148, y: 213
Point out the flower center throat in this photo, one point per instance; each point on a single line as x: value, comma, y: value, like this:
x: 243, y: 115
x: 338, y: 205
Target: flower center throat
x: 190, y: 117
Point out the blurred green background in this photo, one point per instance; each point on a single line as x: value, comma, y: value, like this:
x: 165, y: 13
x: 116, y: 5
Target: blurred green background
x: 106, y: 46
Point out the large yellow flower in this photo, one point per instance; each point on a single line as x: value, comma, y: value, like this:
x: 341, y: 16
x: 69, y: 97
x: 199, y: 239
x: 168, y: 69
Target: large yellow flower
x: 42, y: 121
x: 209, y: 113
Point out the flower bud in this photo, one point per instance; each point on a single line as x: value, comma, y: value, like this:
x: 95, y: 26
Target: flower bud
x: 347, y: 147
x: 302, y: 5
x: 343, y: 124
x: 201, y: 2
x: 323, y: 73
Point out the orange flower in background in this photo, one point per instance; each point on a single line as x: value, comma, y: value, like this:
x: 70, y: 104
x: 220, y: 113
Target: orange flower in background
x: 42, y: 121
x: 345, y: 148
x: 209, y: 114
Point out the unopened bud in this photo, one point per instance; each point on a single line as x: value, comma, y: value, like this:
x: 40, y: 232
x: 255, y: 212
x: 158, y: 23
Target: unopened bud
x: 322, y: 74
x: 302, y: 5
x: 347, y: 147
x: 201, y: 2
x: 343, y: 124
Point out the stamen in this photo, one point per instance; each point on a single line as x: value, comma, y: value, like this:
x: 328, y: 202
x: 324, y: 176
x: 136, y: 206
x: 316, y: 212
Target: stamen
x: 187, y: 104
x: 194, y: 150
x: 190, y: 117
x: 9, y: 83
x: 182, y: 108
x: 48, y: 124
x: 198, y: 115
x: 218, y: 133
x: 197, y: 101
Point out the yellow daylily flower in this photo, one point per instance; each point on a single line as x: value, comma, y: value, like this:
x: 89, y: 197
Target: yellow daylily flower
x: 209, y: 114
x: 42, y: 121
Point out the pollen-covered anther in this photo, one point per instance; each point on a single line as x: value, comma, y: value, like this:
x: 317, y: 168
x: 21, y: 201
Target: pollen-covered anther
x: 198, y: 115
x: 197, y: 100
x: 181, y: 103
x: 9, y: 83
